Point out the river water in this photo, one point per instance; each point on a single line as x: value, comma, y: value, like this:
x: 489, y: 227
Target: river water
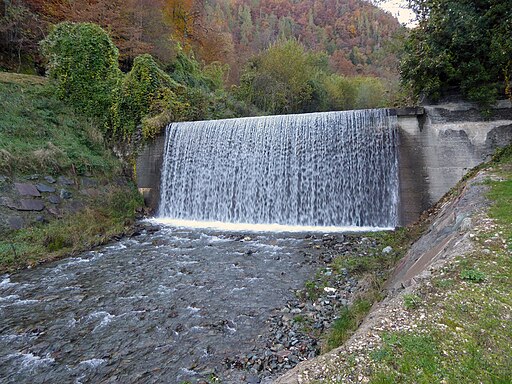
x: 168, y: 307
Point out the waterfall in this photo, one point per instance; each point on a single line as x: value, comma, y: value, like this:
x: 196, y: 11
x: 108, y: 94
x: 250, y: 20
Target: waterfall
x: 333, y: 169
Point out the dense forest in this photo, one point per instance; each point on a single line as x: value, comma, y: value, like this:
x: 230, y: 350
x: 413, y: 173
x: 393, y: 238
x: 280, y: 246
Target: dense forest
x: 354, y: 34
x: 135, y: 65
x: 164, y: 60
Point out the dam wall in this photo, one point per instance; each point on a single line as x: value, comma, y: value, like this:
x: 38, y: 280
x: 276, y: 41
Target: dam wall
x: 438, y: 145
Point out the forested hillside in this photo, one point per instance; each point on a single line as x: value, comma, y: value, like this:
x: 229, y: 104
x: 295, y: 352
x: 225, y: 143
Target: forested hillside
x: 354, y: 34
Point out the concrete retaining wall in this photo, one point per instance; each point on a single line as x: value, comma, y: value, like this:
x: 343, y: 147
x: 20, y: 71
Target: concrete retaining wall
x: 148, y: 171
x: 439, y: 144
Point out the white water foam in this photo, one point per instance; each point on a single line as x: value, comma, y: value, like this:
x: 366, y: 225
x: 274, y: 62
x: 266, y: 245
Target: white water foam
x: 262, y: 228
x: 322, y: 172
x: 6, y: 283
x: 31, y: 362
x: 93, y: 363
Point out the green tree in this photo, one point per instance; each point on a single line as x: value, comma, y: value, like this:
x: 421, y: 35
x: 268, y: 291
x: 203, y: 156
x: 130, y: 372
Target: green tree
x: 283, y: 79
x: 464, y: 44
x: 354, y: 92
x: 246, y: 26
x: 82, y: 61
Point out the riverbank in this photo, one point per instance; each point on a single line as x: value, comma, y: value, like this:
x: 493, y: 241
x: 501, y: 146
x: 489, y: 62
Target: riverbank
x: 350, y: 269
x: 62, y: 190
x: 446, y: 316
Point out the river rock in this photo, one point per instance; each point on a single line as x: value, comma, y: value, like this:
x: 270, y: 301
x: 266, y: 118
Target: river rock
x: 65, y: 194
x: 251, y: 379
x: 26, y: 189
x: 54, y: 211
x: 45, y: 188
x: 152, y: 229
x: 329, y: 290
x: 387, y: 250
x: 31, y: 205
x: 75, y: 206
x: 8, y: 202
x: 88, y: 182
x: 41, y: 219
x: 65, y: 181
x: 91, y: 192
x: 467, y: 224
x: 54, y: 199
x: 50, y: 179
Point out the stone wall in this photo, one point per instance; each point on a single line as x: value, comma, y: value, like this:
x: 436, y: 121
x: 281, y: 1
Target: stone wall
x: 439, y: 144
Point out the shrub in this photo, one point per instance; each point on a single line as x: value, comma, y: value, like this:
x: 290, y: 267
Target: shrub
x: 82, y: 61
x: 472, y: 275
x: 186, y: 70
x: 144, y: 94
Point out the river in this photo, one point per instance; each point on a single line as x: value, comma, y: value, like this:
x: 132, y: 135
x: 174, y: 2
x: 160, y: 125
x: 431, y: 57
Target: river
x: 166, y: 307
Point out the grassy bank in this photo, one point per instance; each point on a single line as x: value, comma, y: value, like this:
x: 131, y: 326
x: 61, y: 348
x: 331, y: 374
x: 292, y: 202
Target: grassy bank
x: 451, y: 327
x: 41, y: 135
x: 466, y: 332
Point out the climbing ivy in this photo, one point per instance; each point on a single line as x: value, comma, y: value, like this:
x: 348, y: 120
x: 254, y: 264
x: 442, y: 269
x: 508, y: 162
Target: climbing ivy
x: 82, y: 61
x: 147, y: 96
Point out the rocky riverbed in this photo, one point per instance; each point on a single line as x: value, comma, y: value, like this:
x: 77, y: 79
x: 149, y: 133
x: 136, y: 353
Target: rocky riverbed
x: 175, y: 305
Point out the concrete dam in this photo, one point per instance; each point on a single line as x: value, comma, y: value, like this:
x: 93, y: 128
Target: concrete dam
x: 352, y: 169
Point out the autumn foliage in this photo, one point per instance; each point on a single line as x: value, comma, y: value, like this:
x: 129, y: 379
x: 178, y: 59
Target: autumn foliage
x: 137, y: 64
x: 353, y: 33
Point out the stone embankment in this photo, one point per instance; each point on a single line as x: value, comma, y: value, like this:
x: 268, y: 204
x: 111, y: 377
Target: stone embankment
x: 450, y: 234
x: 33, y: 199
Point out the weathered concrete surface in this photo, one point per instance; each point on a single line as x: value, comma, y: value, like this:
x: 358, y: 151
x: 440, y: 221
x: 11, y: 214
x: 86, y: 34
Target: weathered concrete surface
x: 148, y: 171
x: 439, y: 147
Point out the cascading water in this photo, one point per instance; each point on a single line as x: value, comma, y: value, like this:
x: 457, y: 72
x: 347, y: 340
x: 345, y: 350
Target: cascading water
x: 334, y: 169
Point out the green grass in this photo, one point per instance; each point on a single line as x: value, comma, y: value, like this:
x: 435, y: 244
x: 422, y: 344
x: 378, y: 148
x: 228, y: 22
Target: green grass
x: 348, y: 321
x: 468, y: 335
x: 501, y: 194
x: 411, y: 301
x: 40, y: 134
x: 470, y: 341
x: 472, y: 275
x: 416, y: 358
